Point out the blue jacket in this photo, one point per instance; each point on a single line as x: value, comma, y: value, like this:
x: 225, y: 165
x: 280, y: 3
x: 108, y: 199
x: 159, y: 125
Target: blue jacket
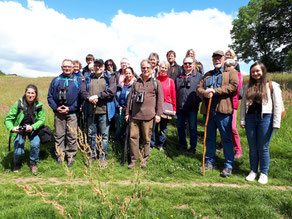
x: 107, y: 95
x: 121, y: 97
x: 72, y: 85
x: 186, y: 95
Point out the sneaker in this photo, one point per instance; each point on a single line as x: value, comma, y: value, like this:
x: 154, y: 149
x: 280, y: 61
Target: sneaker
x: 208, y: 166
x: 263, y: 179
x: 226, y: 172
x: 33, y: 167
x: 237, y: 155
x: 70, y: 163
x: 132, y: 165
x: 16, y: 168
x: 251, y: 176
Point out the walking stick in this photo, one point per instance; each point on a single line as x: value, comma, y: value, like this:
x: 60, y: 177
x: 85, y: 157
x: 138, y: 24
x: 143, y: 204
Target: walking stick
x: 205, y: 134
x: 126, y: 143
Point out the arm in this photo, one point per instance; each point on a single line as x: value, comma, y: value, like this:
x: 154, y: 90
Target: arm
x: 277, y: 105
x: 173, y: 94
x: 40, y: 119
x: 158, y: 107
x: 11, y: 116
x: 243, y: 109
x: 109, y: 94
x: 229, y: 88
x: 52, y: 103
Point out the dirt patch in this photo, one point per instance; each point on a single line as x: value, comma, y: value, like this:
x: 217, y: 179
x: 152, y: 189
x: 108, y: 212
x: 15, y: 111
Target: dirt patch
x: 181, y: 206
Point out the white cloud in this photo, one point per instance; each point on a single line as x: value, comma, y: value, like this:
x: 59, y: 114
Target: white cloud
x: 35, y: 40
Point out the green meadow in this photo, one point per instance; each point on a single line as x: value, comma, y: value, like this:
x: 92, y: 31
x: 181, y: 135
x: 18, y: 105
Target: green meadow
x: 171, y: 186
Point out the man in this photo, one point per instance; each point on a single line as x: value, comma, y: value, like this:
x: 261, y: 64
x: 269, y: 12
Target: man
x: 219, y: 84
x: 144, y: 105
x: 99, y: 90
x: 187, y: 103
x: 86, y: 70
x: 174, y: 69
x: 63, y: 99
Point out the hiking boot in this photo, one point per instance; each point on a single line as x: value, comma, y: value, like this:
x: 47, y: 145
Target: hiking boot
x: 16, y: 168
x: 263, y: 179
x: 143, y: 164
x: 59, y: 160
x: 33, y: 167
x: 132, y: 165
x: 251, y: 176
x: 103, y: 163
x: 226, y: 172
x: 70, y: 163
x: 192, y: 151
x: 237, y: 155
x: 208, y: 166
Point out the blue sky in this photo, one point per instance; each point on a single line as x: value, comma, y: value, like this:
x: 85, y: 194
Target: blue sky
x: 36, y: 35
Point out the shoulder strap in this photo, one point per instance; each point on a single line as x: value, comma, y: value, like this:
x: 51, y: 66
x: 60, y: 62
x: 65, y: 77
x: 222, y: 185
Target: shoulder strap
x: 270, y: 86
x: 155, y: 85
x: 19, y: 107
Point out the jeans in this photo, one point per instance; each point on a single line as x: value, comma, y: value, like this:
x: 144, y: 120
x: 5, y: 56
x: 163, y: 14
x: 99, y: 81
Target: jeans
x: 162, y: 133
x: 191, y: 117
x: 224, y: 123
x: 259, y: 131
x: 98, y: 125
x: 19, y: 147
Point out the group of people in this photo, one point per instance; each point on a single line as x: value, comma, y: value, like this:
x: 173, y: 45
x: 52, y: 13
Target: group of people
x: 144, y: 103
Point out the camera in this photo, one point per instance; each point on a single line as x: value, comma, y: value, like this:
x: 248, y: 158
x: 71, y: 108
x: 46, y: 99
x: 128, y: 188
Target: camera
x: 21, y: 128
x: 140, y: 97
x: 62, y: 96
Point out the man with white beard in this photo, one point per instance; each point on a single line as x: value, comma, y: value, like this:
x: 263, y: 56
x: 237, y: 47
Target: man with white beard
x: 218, y: 84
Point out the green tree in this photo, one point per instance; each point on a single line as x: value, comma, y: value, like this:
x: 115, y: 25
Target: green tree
x: 262, y: 32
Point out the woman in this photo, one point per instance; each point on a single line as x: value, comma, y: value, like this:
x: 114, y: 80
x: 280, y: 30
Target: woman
x: 77, y: 67
x: 154, y: 59
x: 25, y: 117
x: 260, y: 114
x: 169, y: 94
x: 121, y: 98
x: 198, y: 65
x: 230, y: 62
x: 110, y: 67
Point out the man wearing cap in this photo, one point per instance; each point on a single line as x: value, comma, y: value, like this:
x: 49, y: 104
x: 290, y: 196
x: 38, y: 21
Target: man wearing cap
x: 99, y: 91
x: 218, y: 84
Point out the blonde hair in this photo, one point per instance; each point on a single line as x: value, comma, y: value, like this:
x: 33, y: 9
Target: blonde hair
x: 231, y: 52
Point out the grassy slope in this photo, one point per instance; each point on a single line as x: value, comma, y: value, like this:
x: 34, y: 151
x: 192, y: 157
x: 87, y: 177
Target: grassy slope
x: 169, y: 167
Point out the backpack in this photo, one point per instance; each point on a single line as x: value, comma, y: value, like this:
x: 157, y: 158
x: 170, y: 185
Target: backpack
x: 283, y: 114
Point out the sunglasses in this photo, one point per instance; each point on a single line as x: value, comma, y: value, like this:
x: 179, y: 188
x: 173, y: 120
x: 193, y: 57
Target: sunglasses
x: 188, y: 63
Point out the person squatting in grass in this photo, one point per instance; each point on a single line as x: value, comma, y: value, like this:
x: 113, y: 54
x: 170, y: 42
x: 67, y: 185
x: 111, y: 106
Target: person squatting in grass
x: 24, y: 118
x: 144, y: 105
x: 63, y: 98
x: 219, y: 84
x: 260, y: 115
x: 169, y: 96
x: 188, y: 103
x: 98, y: 91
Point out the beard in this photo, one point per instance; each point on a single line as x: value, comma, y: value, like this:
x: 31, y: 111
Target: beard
x: 218, y: 66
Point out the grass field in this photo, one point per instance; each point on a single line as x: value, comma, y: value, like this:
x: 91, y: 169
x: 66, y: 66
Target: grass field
x: 170, y: 187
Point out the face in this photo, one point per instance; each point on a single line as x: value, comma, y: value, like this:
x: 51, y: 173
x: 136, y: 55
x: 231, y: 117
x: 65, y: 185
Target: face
x: 109, y: 66
x: 163, y: 69
x: 170, y: 58
x: 88, y: 61
x: 76, y: 67
x: 124, y: 64
x: 146, y: 70
x: 153, y: 61
x: 256, y: 72
x: 67, y: 67
x: 228, y: 55
x: 128, y: 74
x: 218, y: 61
x: 98, y: 68
x: 188, y: 64
x: 30, y: 95
x: 191, y: 54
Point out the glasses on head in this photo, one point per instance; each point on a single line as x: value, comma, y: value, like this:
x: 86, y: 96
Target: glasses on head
x: 188, y: 63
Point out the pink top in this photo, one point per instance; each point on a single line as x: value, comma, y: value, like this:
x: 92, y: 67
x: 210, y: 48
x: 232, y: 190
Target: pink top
x: 168, y: 88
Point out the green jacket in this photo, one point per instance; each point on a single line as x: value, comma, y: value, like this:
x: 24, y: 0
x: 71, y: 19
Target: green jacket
x: 13, y: 119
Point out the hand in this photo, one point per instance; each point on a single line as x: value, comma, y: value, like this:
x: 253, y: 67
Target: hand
x: 15, y: 130
x: 242, y: 126
x: 157, y: 119
x: 174, y: 113
x: 63, y: 109
x: 209, y: 93
x: 29, y: 128
x: 93, y: 99
x: 127, y: 118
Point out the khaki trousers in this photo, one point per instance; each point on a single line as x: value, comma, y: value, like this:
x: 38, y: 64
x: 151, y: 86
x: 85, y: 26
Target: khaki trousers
x: 62, y: 121
x: 145, y: 127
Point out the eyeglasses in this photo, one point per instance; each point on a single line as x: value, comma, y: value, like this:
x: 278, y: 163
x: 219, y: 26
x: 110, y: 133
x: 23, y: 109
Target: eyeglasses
x: 109, y: 64
x: 188, y: 63
x: 66, y: 66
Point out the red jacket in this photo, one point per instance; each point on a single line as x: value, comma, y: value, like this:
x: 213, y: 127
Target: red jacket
x: 168, y: 88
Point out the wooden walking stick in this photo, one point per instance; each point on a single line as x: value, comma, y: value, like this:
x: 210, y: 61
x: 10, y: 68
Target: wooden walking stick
x: 205, y: 134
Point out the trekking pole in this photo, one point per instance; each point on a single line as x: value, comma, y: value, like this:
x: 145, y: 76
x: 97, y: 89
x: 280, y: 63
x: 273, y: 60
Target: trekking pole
x: 126, y: 143
x: 205, y: 134
x: 9, y: 143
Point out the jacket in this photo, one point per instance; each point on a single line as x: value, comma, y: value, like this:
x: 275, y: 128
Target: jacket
x: 273, y: 106
x: 13, y: 119
x: 121, y: 98
x: 223, y: 94
x: 168, y: 88
x: 186, y: 90
x: 174, y: 71
x: 73, y: 86
x: 107, y: 95
x: 152, y: 104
